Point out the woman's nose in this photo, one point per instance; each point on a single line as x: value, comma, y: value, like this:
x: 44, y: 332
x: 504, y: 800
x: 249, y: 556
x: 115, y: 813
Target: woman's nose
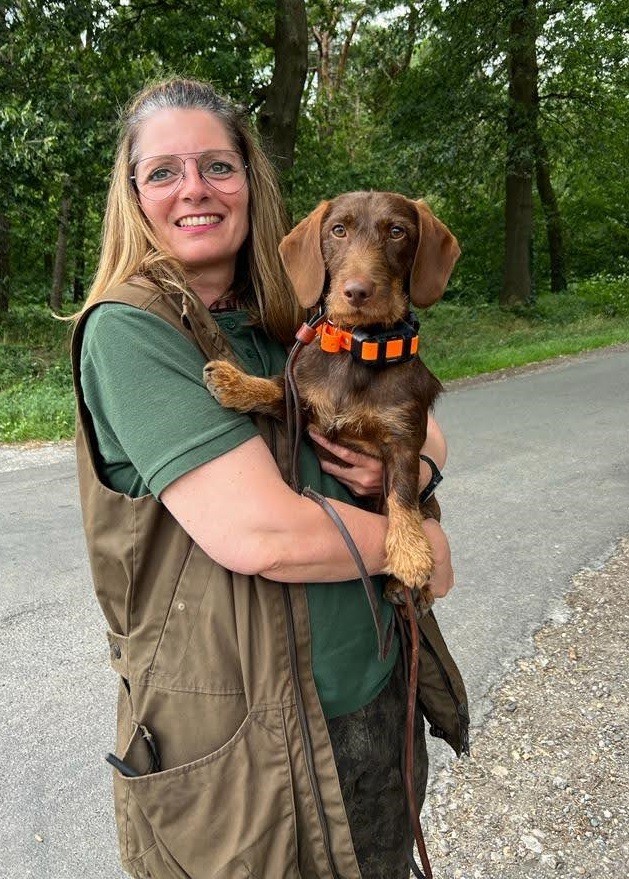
x: 193, y: 184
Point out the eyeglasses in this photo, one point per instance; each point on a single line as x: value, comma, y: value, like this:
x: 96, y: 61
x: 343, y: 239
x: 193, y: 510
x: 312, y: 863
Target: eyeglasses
x: 157, y: 177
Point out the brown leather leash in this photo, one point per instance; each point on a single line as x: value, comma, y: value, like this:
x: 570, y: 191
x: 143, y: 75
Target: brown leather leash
x: 405, y: 615
x: 407, y: 625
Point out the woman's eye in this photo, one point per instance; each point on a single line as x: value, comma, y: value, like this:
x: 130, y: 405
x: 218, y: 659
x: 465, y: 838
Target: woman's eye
x: 158, y: 175
x: 338, y: 230
x: 397, y: 232
x: 219, y: 169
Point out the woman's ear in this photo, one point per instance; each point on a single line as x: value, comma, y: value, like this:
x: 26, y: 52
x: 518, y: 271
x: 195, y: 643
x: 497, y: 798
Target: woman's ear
x: 437, y: 252
x: 301, y: 255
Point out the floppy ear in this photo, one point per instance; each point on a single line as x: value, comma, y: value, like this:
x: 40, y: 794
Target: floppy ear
x: 301, y: 255
x: 437, y: 252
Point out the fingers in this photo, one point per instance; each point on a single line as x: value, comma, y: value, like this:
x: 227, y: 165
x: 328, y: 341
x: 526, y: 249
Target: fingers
x: 361, y: 482
x: 360, y: 473
x: 349, y: 456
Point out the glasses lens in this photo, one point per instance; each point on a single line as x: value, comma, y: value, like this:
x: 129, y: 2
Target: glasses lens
x: 223, y: 169
x: 158, y: 176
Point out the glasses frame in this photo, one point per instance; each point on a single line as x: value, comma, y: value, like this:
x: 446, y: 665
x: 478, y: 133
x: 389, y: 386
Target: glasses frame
x: 184, y: 158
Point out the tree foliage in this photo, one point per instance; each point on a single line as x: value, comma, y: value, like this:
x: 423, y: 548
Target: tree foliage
x: 412, y: 97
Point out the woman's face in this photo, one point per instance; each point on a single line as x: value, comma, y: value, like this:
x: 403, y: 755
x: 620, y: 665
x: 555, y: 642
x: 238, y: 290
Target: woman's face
x: 221, y: 220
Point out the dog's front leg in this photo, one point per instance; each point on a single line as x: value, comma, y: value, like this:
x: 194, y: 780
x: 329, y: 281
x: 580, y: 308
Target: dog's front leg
x: 409, y: 555
x: 236, y: 389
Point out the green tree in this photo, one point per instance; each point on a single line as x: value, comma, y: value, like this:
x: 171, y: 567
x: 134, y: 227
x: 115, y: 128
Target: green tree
x: 448, y: 121
x: 66, y: 68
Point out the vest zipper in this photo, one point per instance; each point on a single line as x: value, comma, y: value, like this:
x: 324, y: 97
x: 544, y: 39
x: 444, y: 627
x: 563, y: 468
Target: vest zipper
x: 461, y: 711
x: 303, y: 722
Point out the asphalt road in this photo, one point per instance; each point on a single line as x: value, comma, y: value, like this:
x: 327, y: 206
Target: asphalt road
x: 537, y: 488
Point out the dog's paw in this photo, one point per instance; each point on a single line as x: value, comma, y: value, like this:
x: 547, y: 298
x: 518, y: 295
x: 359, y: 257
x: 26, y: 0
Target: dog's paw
x: 423, y: 599
x: 409, y: 555
x: 410, y: 562
x: 245, y: 393
x: 225, y: 383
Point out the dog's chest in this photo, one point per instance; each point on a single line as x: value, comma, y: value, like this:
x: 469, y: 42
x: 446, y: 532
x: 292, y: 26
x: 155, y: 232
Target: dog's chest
x: 348, y: 400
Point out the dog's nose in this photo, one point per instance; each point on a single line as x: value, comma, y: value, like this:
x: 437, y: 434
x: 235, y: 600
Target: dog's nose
x: 358, y: 290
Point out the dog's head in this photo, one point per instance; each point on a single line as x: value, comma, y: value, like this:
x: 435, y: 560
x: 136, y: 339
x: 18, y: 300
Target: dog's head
x: 370, y: 252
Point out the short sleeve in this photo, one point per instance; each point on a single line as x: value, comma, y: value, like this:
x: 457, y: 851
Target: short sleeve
x: 142, y: 381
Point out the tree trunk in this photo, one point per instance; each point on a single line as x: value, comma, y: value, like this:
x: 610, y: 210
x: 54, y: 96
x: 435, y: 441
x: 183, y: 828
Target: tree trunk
x: 521, y: 142
x: 323, y: 39
x: 340, y: 70
x: 61, y: 252
x: 280, y: 111
x: 554, y: 231
x: 5, y: 274
x: 78, y: 287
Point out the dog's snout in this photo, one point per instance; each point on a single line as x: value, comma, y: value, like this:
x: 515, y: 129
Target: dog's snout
x: 358, y: 290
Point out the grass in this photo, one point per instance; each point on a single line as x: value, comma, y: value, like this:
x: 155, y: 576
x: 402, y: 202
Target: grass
x: 459, y: 339
x: 36, y: 399
x: 462, y: 340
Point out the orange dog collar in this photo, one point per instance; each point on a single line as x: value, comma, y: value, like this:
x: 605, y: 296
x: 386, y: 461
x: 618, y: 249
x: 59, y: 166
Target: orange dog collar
x: 375, y: 345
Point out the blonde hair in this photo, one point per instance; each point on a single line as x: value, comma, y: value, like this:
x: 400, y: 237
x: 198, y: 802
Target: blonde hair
x: 129, y: 247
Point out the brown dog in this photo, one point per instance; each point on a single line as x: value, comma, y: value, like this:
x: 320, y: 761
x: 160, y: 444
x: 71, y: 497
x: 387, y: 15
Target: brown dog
x: 371, y: 255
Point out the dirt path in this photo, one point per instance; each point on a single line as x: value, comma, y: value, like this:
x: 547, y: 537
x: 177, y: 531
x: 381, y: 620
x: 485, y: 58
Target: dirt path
x: 546, y: 792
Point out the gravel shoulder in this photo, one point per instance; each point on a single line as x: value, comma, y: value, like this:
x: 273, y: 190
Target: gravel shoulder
x: 546, y: 791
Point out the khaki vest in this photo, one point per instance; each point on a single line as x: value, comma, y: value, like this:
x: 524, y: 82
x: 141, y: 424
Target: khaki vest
x: 216, y: 678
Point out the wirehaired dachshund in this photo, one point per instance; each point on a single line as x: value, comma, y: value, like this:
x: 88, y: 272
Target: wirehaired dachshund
x: 370, y: 255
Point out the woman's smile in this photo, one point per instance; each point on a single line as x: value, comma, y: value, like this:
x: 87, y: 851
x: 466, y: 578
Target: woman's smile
x: 194, y: 221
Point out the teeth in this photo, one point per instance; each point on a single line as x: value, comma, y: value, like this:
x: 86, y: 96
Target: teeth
x: 207, y: 220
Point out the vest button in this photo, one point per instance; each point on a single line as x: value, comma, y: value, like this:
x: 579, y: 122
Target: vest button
x: 115, y: 650
x: 181, y: 605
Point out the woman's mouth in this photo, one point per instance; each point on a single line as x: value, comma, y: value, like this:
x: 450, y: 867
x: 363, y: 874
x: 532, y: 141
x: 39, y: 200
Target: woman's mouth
x: 198, y: 220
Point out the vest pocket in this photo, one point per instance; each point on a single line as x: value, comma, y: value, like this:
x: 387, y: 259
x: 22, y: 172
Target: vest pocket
x: 441, y: 692
x: 195, y: 648
x: 228, y: 815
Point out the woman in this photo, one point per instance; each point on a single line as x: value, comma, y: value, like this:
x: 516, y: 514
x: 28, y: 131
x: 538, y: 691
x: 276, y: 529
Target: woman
x: 231, y: 684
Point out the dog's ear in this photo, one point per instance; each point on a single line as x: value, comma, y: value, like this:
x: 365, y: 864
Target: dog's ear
x: 301, y: 255
x: 437, y: 252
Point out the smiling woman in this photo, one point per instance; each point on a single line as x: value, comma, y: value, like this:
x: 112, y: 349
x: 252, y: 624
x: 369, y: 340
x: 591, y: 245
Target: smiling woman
x: 196, y: 218
x: 231, y: 670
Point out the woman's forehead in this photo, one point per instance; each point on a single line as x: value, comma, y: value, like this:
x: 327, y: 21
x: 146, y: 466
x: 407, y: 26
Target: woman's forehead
x: 181, y: 131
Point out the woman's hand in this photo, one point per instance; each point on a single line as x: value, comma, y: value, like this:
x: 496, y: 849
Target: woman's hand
x: 442, y: 578
x: 360, y: 473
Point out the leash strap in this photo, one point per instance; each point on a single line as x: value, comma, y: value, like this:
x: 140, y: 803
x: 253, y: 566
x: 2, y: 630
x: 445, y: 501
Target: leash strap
x: 385, y: 638
x: 409, y: 632
x: 306, y: 333
x: 405, y: 616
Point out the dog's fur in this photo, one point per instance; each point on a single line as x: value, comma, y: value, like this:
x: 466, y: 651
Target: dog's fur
x: 368, y: 253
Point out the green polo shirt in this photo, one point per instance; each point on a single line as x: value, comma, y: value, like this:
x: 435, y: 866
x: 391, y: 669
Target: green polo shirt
x: 154, y: 420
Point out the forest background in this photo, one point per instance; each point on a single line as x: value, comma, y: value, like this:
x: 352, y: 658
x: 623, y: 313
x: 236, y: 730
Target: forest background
x: 510, y: 117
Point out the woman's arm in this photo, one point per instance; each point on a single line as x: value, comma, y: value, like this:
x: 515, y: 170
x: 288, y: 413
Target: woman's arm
x: 239, y: 510
x: 242, y: 514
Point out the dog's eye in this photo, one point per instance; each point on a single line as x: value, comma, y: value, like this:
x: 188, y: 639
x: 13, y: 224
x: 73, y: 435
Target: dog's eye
x: 338, y: 230
x: 397, y: 232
